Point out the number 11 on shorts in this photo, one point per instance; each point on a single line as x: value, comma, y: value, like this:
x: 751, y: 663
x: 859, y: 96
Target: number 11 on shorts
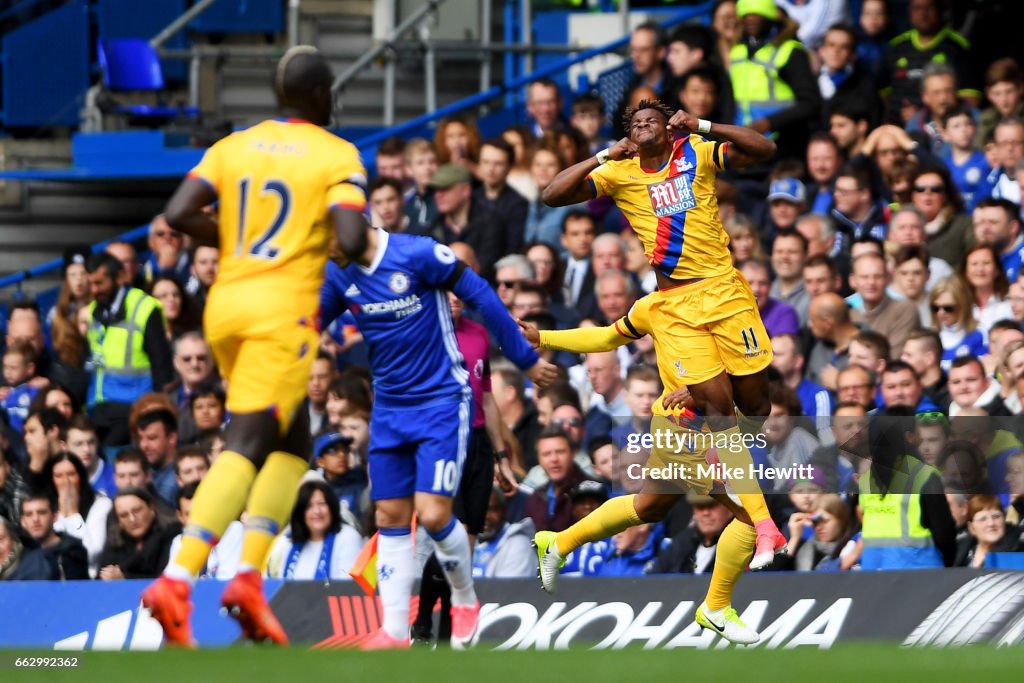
x: 749, y: 340
x: 444, y: 477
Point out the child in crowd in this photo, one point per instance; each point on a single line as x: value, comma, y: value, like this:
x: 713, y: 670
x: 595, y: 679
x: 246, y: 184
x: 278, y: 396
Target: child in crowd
x: 19, y: 370
x: 966, y: 163
x: 208, y: 407
x: 589, y: 119
x: 420, y: 162
x: 83, y: 442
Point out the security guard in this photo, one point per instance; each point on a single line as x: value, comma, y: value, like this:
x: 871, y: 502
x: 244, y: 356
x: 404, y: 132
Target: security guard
x: 129, y: 352
x: 773, y: 85
x: 906, y: 519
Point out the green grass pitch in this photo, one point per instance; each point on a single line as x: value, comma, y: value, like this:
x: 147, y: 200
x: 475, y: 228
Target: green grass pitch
x: 873, y: 663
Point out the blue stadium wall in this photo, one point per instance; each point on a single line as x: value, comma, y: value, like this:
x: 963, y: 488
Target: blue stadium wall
x: 942, y: 607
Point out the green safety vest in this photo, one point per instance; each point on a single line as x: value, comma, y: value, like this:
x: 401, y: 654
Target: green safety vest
x: 121, y: 370
x: 756, y: 85
x: 892, y: 533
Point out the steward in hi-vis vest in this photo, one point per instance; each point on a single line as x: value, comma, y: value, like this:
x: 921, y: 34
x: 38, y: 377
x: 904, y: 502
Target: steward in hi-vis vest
x: 773, y: 86
x: 128, y: 350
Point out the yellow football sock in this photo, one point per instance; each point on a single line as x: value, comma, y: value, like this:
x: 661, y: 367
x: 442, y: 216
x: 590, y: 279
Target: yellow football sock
x: 733, y: 554
x: 747, y: 488
x: 218, y: 501
x: 270, y: 504
x: 613, y: 516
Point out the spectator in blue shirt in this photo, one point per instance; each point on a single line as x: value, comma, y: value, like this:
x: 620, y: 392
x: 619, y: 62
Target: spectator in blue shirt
x: 789, y: 360
x: 997, y: 222
x: 19, y: 369
x: 168, y: 256
x: 634, y: 551
x: 967, y: 164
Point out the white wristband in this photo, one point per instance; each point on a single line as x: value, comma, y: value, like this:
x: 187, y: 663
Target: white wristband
x: 703, y: 126
x: 602, y: 156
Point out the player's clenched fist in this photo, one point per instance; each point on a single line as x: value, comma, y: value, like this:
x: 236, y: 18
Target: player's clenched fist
x: 623, y: 149
x: 682, y: 122
x: 543, y: 373
x: 679, y: 399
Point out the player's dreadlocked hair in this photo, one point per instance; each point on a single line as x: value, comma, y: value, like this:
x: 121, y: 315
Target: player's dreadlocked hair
x: 657, y: 105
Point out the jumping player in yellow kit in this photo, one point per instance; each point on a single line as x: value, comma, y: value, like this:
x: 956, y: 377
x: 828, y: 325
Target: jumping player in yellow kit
x: 282, y: 188
x: 704, y: 317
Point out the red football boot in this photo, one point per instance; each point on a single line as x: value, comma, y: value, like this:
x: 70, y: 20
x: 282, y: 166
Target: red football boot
x: 244, y: 600
x: 168, y: 600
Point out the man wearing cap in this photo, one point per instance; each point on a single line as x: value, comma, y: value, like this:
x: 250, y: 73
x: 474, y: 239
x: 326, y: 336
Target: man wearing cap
x: 461, y: 219
x: 692, y: 551
x: 331, y: 454
x: 772, y: 82
x: 787, y: 200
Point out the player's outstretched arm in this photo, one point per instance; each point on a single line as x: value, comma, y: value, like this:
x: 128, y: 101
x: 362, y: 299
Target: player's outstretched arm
x: 185, y: 212
x: 475, y: 291
x: 578, y: 340
x: 746, y: 146
x: 571, y: 186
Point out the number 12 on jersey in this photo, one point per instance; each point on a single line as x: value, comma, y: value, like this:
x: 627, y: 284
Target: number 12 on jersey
x: 261, y: 246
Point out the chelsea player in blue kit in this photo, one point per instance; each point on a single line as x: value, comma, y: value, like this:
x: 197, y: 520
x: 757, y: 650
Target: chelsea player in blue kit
x: 422, y: 413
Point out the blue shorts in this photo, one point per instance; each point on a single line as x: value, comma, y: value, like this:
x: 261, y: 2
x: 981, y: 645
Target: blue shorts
x: 418, y: 449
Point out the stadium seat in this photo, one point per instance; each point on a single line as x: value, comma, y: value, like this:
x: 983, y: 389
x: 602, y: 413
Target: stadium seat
x: 132, y: 65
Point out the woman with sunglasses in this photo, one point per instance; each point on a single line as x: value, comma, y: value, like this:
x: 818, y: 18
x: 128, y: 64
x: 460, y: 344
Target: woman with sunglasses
x: 947, y: 227
x: 983, y: 270
x: 952, y: 318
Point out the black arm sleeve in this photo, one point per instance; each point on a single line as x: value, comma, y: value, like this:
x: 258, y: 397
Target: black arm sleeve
x: 797, y: 73
x: 935, y: 517
x: 157, y: 348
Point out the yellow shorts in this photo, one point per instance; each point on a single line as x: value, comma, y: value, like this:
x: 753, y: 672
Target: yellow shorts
x: 265, y: 347
x: 713, y: 325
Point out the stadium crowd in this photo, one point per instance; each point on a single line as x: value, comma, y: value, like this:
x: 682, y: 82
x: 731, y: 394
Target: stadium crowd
x: 883, y: 245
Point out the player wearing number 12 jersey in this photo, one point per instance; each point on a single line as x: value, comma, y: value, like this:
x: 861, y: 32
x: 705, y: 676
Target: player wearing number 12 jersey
x: 281, y: 188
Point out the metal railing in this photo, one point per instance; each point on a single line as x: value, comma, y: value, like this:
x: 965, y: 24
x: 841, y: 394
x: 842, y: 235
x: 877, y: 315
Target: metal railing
x: 514, y: 84
x: 418, y: 20
x: 47, y: 267
x: 370, y: 141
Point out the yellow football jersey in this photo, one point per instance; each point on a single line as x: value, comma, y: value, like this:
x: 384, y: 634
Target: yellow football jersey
x: 674, y: 210
x: 276, y: 183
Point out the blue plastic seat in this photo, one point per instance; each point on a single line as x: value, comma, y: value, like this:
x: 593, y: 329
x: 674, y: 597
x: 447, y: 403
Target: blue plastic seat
x: 133, y: 65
